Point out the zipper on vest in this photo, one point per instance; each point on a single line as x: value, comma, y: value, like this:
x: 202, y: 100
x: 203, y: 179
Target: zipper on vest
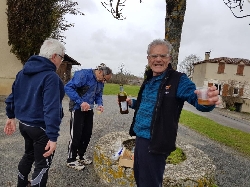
x: 157, y: 105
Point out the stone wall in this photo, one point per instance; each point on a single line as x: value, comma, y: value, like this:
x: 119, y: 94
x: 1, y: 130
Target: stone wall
x: 196, y: 170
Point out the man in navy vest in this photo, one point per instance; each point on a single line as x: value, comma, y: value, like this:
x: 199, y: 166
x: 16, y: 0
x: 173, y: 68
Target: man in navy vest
x: 157, y: 112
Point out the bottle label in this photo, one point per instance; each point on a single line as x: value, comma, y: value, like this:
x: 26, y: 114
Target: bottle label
x: 124, y: 105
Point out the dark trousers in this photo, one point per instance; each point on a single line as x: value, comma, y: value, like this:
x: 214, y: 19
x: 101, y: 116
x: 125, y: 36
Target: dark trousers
x: 35, y: 142
x: 148, y: 167
x: 81, y: 125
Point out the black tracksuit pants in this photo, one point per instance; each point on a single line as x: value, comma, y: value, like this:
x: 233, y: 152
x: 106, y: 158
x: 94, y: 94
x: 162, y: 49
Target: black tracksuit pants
x: 35, y: 141
x: 81, y: 125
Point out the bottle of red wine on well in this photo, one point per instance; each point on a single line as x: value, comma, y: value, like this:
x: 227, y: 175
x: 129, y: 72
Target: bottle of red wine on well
x: 122, y: 96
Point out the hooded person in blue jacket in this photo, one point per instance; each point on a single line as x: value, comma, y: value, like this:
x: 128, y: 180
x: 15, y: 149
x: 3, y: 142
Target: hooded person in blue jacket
x: 36, y: 101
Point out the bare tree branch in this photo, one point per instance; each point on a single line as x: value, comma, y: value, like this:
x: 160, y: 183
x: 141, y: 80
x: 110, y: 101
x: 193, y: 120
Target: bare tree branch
x: 115, y: 10
x: 187, y: 65
x: 233, y: 5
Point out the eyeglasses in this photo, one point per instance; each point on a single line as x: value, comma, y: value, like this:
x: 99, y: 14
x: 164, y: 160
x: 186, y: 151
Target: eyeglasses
x: 159, y: 55
x: 61, y: 57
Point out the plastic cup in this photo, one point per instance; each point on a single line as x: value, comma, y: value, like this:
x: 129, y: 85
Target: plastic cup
x: 98, y: 111
x: 202, y: 96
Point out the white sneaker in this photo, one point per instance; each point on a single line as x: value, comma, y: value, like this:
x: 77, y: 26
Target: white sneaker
x: 76, y: 165
x: 85, y: 161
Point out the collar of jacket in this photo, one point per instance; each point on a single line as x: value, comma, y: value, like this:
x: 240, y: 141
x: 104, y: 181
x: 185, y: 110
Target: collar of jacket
x: 149, y: 73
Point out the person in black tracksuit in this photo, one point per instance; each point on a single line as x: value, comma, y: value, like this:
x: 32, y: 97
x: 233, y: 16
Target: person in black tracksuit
x: 36, y: 101
x: 157, y: 111
x: 84, y: 90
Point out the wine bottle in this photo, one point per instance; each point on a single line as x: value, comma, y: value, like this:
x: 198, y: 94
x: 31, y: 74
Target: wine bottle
x: 122, y: 96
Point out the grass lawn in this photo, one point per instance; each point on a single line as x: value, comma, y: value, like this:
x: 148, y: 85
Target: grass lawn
x: 228, y: 136
x: 113, y: 89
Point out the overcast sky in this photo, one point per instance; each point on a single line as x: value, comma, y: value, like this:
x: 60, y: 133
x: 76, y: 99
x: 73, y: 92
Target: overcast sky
x: 209, y: 25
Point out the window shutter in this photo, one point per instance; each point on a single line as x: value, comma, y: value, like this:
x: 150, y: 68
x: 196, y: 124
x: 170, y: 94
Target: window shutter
x: 225, y: 90
x: 240, y: 69
x: 231, y: 90
x: 210, y: 84
x: 221, y: 67
x: 241, y: 92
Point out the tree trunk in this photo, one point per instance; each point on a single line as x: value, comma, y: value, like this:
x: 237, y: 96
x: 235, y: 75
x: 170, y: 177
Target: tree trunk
x: 175, y: 12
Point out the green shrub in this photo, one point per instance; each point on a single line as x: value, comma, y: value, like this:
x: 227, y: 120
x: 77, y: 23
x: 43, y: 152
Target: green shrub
x: 176, y: 157
x: 232, y: 108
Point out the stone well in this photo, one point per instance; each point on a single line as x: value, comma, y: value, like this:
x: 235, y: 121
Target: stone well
x: 196, y: 170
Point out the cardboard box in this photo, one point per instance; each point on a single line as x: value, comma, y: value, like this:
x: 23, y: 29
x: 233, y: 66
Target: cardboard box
x: 126, y: 159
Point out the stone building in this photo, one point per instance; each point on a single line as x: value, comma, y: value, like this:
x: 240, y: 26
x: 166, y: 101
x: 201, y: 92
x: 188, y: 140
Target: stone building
x: 9, y: 64
x: 230, y: 75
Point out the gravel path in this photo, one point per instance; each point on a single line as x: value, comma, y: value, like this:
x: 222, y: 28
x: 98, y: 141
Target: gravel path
x: 232, y: 168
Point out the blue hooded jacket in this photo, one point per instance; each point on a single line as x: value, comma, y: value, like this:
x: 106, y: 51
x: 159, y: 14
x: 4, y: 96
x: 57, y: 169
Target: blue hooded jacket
x: 36, y: 98
x: 81, y: 78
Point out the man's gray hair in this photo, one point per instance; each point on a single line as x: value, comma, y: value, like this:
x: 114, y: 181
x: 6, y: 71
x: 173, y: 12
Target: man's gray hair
x: 160, y: 42
x: 51, y: 46
x: 106, y: 70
